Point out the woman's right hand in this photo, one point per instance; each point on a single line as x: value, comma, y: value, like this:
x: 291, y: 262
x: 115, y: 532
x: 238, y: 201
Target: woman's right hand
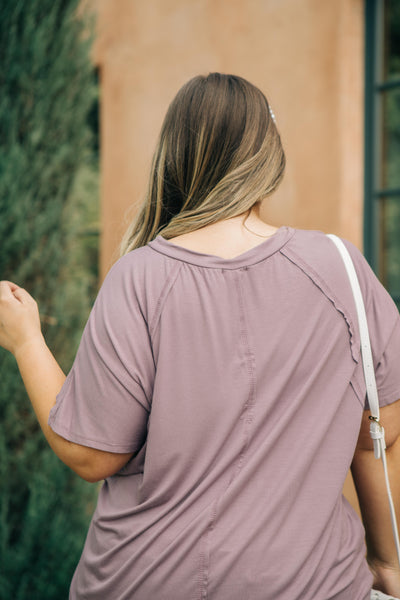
x: 19, y: 317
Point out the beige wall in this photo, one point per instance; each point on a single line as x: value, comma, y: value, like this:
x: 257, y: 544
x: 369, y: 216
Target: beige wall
x: 306, y: 55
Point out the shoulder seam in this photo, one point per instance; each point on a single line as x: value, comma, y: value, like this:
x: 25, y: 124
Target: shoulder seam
x: 162, y: 297
x: 320, y: 282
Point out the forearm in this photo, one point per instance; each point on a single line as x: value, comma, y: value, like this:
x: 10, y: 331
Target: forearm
x: 369, y: 481
x: 20, y: 334
x: 43, y: 380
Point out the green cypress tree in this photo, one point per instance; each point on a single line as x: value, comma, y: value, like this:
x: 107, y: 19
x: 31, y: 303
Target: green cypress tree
x: 48, y: 198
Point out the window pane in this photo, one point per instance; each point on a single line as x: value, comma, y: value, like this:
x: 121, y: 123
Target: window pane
x: 390, y: 159
x: 389, y: 242
x: 392, y: 39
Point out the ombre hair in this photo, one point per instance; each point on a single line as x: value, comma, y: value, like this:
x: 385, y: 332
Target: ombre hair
x: 218, y: 154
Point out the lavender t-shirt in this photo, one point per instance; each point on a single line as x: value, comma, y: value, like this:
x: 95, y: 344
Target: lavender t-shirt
x: 239, y: 385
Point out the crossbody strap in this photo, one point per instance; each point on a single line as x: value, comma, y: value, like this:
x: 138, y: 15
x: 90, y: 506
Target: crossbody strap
x: 377, y: 432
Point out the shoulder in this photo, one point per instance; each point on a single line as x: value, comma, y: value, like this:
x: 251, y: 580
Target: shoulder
x: 317, y: 252
x: 317, y: 248
x: 133, y: 262
x: 139, y: 277
x: 319, y: 258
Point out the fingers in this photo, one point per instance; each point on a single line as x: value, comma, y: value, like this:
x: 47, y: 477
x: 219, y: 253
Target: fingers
x: 22, y: 295
x: 9, y: 289
x: 13, y: 286
x: 6, y: 289
x: 9, y: 284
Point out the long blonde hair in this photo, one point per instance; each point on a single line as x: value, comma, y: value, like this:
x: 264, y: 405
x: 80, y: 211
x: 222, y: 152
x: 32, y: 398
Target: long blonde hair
x: 218, y: 154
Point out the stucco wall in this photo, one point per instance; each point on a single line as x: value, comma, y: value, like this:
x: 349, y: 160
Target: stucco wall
x: 306, y: 55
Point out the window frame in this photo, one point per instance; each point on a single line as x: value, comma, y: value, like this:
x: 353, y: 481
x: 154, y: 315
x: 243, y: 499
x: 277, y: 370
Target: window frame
x: 375, y: 86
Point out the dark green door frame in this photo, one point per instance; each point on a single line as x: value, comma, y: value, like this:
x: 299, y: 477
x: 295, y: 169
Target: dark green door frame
x: 378, y: 190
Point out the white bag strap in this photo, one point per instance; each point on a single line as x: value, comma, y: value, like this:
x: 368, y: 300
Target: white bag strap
x: 377, y: 432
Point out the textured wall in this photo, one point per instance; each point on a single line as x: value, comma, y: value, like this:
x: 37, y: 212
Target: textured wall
x: 306, y: 55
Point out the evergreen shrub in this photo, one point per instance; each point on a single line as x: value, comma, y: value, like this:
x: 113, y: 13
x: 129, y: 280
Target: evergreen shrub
x: 48, y: 202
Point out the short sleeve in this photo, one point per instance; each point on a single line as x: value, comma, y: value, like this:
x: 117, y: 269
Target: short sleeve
x: 105, y: 400
x: 384, y: 329
x: 388, y: 369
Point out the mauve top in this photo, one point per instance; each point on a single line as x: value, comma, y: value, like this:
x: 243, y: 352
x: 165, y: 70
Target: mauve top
x: 239, y: 385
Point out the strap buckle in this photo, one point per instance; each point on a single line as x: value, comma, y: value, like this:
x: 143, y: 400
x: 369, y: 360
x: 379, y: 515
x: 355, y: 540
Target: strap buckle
x: 377, y: 434
x: 375, y: 419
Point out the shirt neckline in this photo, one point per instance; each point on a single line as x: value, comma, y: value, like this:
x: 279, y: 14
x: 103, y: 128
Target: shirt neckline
x: 263, y: 250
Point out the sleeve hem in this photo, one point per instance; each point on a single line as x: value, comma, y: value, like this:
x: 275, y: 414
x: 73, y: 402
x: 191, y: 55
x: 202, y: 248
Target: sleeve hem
x: 389, y: 399
x: 84, y: 441
x: 388, y: 341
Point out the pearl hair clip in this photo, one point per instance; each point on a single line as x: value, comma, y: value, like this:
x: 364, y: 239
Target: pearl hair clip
x: 271, y: 112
